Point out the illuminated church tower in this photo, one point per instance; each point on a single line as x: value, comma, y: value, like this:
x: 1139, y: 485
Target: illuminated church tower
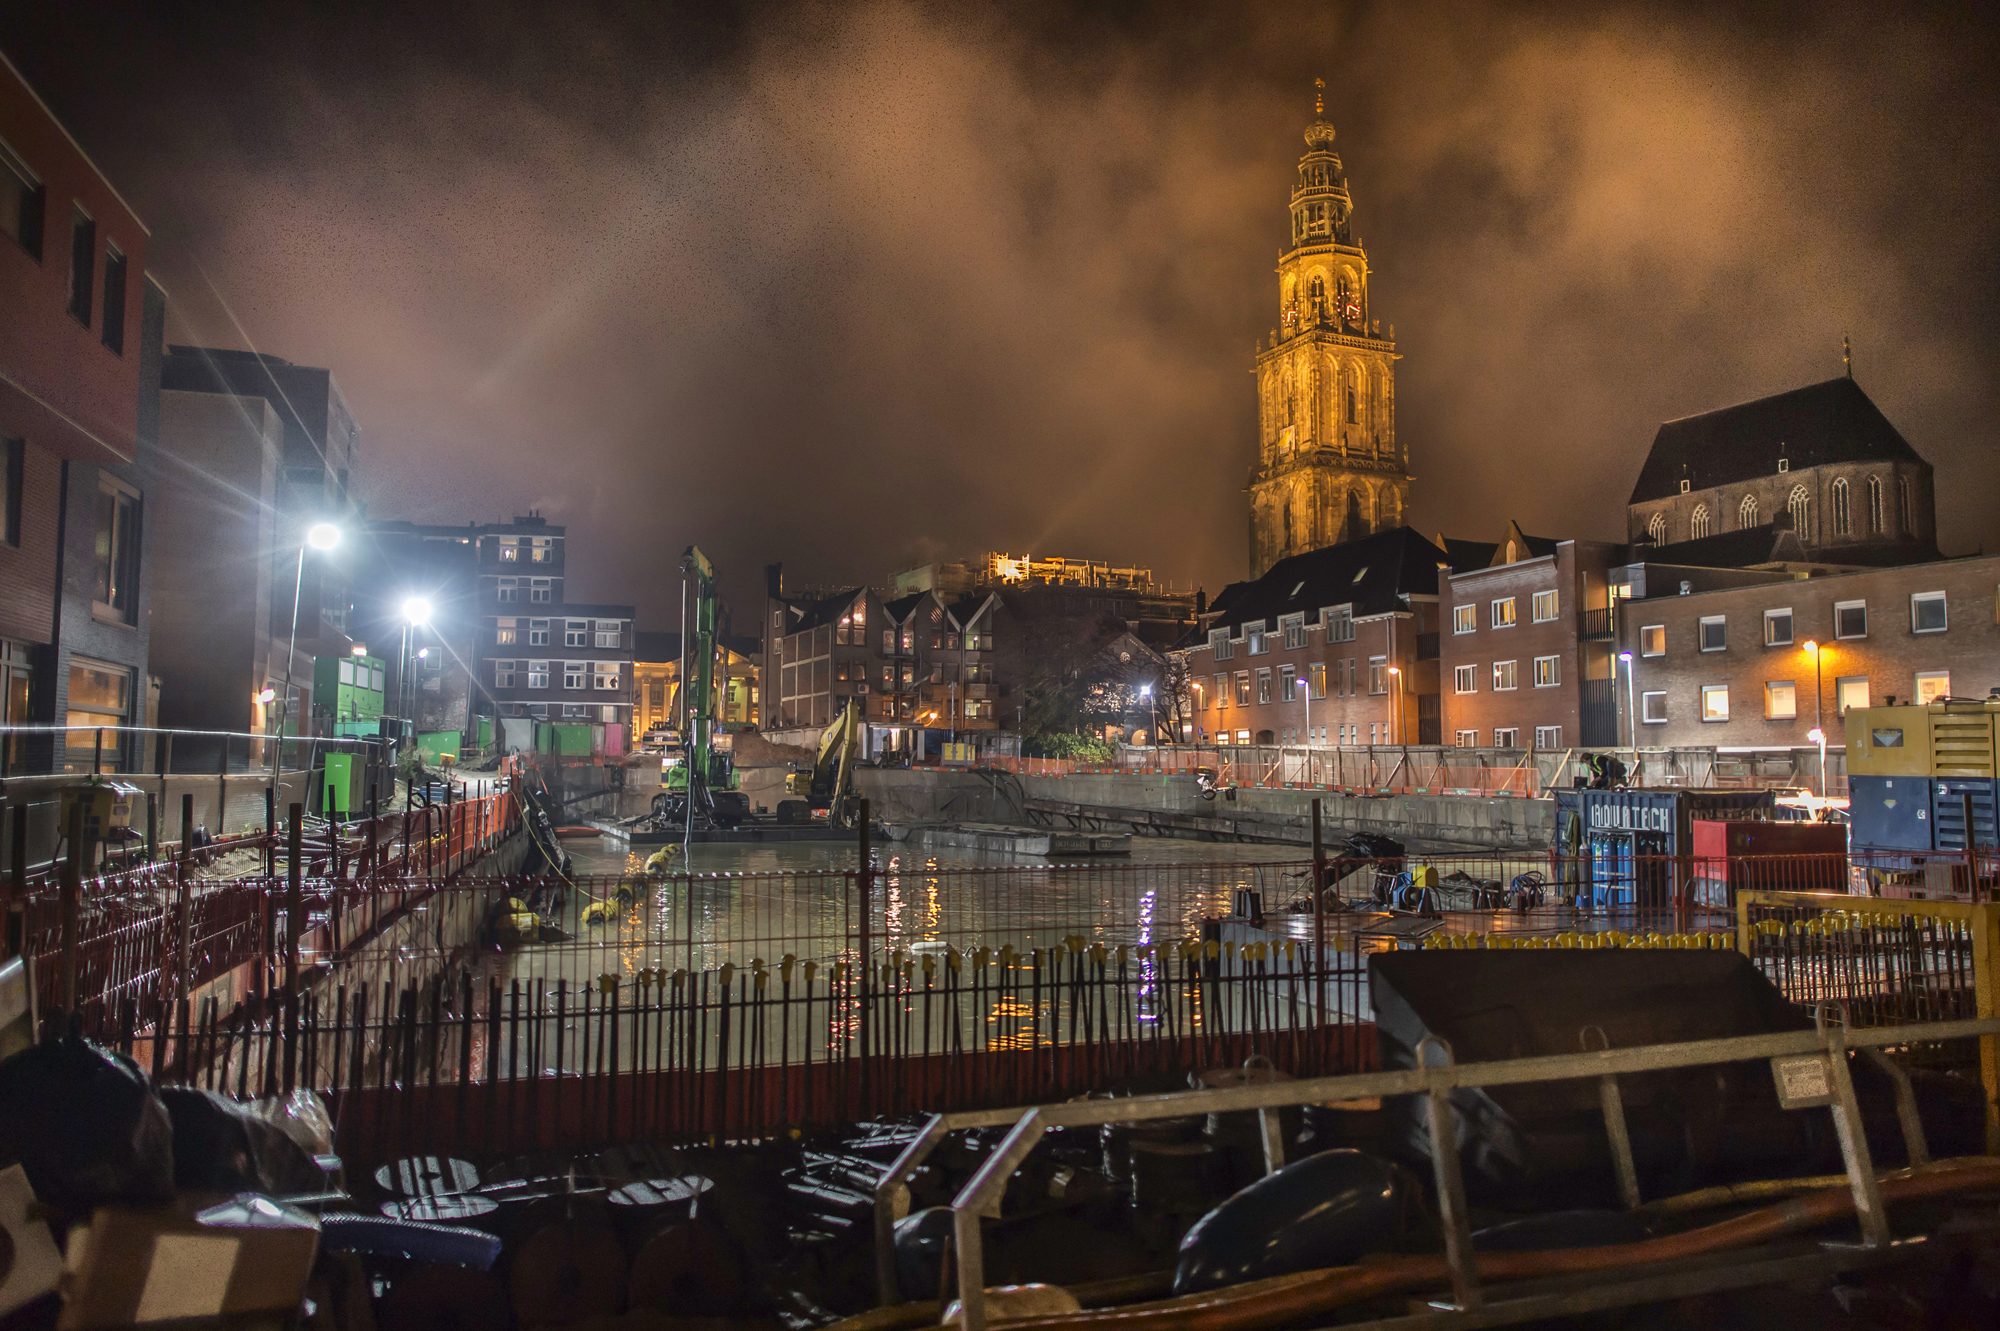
x: 1328, y: 465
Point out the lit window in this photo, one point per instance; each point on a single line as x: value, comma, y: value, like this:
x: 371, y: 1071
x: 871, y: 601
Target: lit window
x: 1465, y: 619
x: 1545, y: 606
x: 1653, y: 708
x: 1781, y: 700
x: 509, y: 552
x: 1653, y: 640
x: 1378, y: 674
x: 1506, y: 675
x: 1294, y: 628
x: 1221, y: 692
x: 604, y: 675
x: 1927, y: 612
x: 1507, y: 737
x: 1932, y: 685
x: 1714, y: 633
x: 100, y: 694
x: 610, y: 634
x: 1548, y: 737
x: 1465, y: 679
x: 116, y: 592
x: 1243, y: 690
x: 505, y: 633
x: 1778, y: 628
x: 1316, y: 677
x: 1698, y: 525
x: 1264, y: 685
x: 1503, y: 612
x: 1850, y: 619
x: 1254, y: 642
x: 1548, y: 672
x: 1842, y: 520
x: 1850, y: 691
x: 1288, y: 684
x: 1746, y: 513
x: 1715, y: 702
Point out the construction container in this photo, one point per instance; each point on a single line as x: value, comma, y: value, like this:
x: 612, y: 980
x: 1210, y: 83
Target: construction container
x: 1953, y: 799
x: 1624, y: 842
x: 1733, y: 854
x: 1888, y: 741
x: 1889, y: 812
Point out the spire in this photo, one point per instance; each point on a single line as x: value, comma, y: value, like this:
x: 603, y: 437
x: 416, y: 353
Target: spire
x: 1319, y: 134
x: 1319, y: 98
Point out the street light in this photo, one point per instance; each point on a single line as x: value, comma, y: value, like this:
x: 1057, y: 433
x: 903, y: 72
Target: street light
x: 1631, y: 712
x: 1153, y: 712
x: 416, y: 613
x: 320, y: 536
x: 1395, y: 701
x: 1818, y: 733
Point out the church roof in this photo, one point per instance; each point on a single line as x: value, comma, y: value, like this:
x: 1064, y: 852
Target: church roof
x: 1772, y: 543
x: 1374, y: 573
x: 1807, y: 427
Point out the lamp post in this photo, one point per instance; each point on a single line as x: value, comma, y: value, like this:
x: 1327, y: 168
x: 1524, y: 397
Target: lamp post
x: 416, y: 613
x: 1395, y: 704
x: 319, y: 536
x: 1152, y: 711
x: 1631, y: 713
x: 1818, y: 733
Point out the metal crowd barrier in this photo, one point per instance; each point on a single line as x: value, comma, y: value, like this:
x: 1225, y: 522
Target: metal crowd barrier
x: 1815, y: 1059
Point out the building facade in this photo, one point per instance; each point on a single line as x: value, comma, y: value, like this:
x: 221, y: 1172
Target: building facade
x: 1525, y: 652
x: 79, y: 362
x: 1328, y: 463
x: 1759, y: 667
x: 656, y: 675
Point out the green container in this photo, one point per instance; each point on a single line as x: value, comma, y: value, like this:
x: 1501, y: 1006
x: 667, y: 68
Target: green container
x: 436, y: 744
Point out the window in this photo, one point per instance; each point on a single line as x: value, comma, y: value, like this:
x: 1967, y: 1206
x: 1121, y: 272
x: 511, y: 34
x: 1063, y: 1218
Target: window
x: 604, y: 675
x: 100, y: 694
x: 1746, y: 513
x: 1850, y: 619
x: 1288, y: 684
x: 1378, y: 674
x: 1653, y: 708
x: 433, y: 658
x: 1294, y: 629
x: 21, y: 204
x: 1778, y: 628
x: 542, y: 550
x: 82, y: 266
x: 1254, y: 641
x: 1656, y: 527
x: 114, y: 299
x: 1548, y: 737
x: 978, y: 640
x: 538, y: 633
x: 1850, y: 691
x: 574, y: 673
x: 1316, y: 679
x: 510, y: 552
x: 1506, y: 737
x: 538, y: 674
x: 1503, y: 613
x: 116, y: 590
x: 1548, y: 672
x: 10, y: 478
x: 1698, y: 524
x: 1715, y: 702
x: 610, y: 632
x: 1653, y: 640
x: 1506, y: 676
x: 1221, y: 692
x: 1874, y: 503
x: 1932, y: 685
x: 1781, y: 700
x: 576, y: 633
x: 1906, y: 515
x: 1466, y: 739
x: 1465, y: 679
x: 541, y: 590
x: 1545, y: 606
x: 1714, y: 633
x: 1242, y: 688
x: 1799, y: 505
x: 1465, y: 619
x: 1339, y: 624
x: 346, y: 671
x: 1264, y: 685
x: 575, y: 711
x: 1842, y: 523
x: 1218, y: 641
x: 1927, y: 613
x: 503, y: 674
x: 505, y: 634
x: 506, y: 590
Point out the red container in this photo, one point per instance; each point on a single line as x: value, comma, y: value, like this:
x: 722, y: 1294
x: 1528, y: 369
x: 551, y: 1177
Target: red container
x: 1780, y: 857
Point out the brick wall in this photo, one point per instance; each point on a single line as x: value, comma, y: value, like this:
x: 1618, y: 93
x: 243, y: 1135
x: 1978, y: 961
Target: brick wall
x: 28, y: 571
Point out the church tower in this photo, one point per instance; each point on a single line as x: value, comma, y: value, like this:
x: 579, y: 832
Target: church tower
x: 1328, y: 466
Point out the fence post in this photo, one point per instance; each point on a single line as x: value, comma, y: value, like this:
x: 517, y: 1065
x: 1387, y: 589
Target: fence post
x: 1319, y: 920
x: 865, y: 881
x: 181, y: 976
x: 15, y: 921
x: 294, y: 918
x: 1986, y: 994
x: 270, y: 831
x: 72, y: 893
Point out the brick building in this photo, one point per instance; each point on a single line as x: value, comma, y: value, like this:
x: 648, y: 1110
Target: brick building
x: 79, y: 370
x: 1335, y: 646
x: 1729, y: 666
x: 1525, y: 652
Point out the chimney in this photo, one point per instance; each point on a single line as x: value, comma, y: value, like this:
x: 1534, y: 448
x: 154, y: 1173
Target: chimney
x: 774, y: 581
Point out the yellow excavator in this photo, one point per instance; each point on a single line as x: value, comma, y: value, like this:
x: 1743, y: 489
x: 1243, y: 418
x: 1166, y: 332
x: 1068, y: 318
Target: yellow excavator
x: 827, y: 787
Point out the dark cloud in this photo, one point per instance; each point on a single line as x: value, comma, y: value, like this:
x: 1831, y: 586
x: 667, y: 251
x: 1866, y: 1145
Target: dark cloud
x: 853, y: 286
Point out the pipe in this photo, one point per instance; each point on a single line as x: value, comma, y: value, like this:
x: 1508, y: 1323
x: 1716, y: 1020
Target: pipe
x: 1282, y: 1300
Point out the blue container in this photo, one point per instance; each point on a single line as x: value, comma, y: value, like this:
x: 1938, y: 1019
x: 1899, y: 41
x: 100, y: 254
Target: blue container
x: 1890, y: 813
x: 1948, y: 800
x: 1626, y: 835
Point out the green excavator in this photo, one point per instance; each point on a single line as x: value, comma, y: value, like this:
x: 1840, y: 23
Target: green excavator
x: 702, y: 790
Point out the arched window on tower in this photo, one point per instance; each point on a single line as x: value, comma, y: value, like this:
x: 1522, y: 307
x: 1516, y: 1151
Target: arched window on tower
x: 1353, y: 404
x: 1799, y: 505
x: 1906, y: 516
x: 1746, y: 513
x: 1287, y: 538
x: 1875, y: 504
x: 1843, y: 523
x: 1318, y: 298
x: 1698, y: 524
x: 1657, y: 529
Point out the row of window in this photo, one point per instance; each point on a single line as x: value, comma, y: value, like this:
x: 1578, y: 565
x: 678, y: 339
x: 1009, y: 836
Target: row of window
x: 541, y: 591
x: 1507, y: 675
x: 1928, y: 614
x: 1544, y: 605
x: 527, y: 549
x: 1781, y: 697
x: 575, y: 674
x: 606, y: 633
x: 1346, y: 683
x: 1336, y: 625
x: 1799, y: 504
x: 1509, y: 737
x: 23, y: 212
x: 566, y: 711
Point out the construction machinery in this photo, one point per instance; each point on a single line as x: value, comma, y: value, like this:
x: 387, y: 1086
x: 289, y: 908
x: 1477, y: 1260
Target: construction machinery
x: 702, y: 789
x: 827, y: 787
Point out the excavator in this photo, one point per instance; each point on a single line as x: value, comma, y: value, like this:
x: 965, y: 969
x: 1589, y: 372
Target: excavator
x: 827, y: 787
x: 703, y: 788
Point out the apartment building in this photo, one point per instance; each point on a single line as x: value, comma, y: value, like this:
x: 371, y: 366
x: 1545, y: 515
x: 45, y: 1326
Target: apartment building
x: 1760, y: 667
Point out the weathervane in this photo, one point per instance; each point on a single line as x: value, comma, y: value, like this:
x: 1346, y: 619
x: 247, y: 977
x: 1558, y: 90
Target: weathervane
x: 1319, y: 97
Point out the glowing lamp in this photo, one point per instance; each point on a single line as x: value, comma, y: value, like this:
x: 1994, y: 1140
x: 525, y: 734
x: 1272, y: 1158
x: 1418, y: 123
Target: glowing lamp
x: 359, y: 649
x: 266, y: 695
x: 1816, y: 735
x: 1626, y: 657
x: 322, y: 536
x: 417, y: 610
x: 1810, y: 646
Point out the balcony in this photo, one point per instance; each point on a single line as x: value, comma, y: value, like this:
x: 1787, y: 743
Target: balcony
x: 1595, y: 625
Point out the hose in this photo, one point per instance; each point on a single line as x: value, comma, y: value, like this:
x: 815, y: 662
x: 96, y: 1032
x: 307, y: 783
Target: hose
x: 1281, y: 1300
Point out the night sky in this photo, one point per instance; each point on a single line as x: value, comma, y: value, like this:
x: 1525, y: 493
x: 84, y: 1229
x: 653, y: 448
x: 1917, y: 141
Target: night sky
x: 855, y: 286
